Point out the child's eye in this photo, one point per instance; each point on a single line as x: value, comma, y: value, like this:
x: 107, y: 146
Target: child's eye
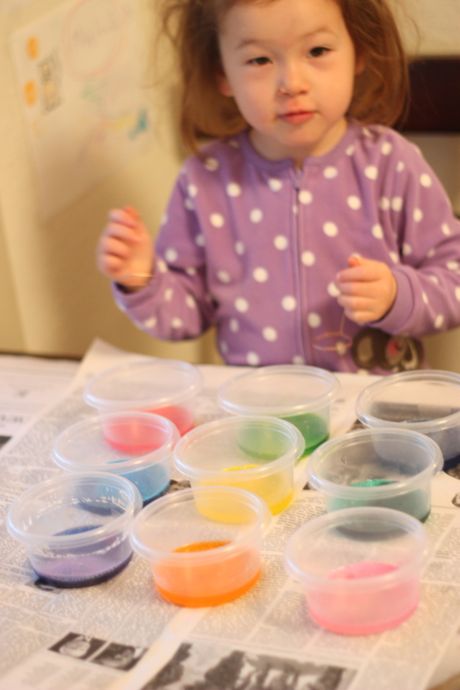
x: 259, y: 61
x: 318, y: 51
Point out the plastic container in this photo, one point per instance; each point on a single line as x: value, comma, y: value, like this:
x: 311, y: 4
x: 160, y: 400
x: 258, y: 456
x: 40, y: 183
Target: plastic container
x: 137, y: 445
x: 391, y: 468
x: 203, y: 545
x: 164, y: 386
x: 253, y: 453
x: 300, y: 394
x: 75, y: 527
x: 426, y: 400
x: 360, y: 568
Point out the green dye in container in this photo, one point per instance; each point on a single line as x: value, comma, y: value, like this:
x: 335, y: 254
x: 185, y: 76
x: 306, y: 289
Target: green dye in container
x: 262, y: 443
x: 313, y: 428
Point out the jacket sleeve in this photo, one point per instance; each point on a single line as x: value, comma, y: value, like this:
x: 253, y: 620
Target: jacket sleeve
x: 175, y: 304
x: 428, y: 267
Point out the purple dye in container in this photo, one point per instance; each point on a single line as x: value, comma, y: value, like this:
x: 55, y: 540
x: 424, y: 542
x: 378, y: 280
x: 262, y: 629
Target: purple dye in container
x: 85, y: 565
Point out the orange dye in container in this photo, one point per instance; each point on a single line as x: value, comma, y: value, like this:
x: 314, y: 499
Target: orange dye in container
x: 216, y: 579
x: 200, y: 546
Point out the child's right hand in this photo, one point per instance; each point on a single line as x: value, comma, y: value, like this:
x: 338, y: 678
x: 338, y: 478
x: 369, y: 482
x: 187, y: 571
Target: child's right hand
x: 125, y: 249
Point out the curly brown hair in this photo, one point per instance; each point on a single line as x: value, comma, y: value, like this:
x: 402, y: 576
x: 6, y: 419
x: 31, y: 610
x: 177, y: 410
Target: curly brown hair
x: 380, y: 91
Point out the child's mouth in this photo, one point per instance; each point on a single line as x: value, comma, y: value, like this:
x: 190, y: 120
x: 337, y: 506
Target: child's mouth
x: 297, y: 117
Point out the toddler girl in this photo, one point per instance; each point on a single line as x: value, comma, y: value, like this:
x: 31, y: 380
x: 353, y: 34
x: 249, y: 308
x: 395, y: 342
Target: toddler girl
x: 307, y: 230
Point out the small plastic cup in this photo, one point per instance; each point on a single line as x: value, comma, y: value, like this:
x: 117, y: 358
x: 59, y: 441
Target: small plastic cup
x: 299, y: 394
x: 257, y: 454
x: 75, y: 527
x: 425, y: 400
x: 391, y: 468
x: 136, y: 445
x: 360, y: 568
x: 204, y: 545
x: 165, y: 387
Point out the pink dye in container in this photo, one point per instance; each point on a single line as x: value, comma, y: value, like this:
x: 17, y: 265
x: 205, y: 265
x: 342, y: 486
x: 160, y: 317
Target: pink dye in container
x: 166, y: 387
x: 360, y: 568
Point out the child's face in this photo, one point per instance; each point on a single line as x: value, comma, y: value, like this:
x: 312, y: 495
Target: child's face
x: 290, y: 65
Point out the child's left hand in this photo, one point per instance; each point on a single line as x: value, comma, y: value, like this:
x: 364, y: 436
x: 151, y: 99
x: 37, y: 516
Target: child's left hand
x: 367, y: 289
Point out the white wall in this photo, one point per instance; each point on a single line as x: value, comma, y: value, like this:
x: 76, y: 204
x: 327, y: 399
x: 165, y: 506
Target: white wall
x: 52, y: 299
x: 430, y: 28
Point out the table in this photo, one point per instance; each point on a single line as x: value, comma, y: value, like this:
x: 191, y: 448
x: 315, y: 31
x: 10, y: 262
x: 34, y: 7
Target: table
x: 120, y: 635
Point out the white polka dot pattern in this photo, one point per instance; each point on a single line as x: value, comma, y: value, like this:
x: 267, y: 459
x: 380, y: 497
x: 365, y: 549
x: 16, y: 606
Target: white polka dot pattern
x: 281, y: 242
x: 255, y: 249
x: 241, y: 304
x: 371, y: 172
x: 256, y: 215
x: 171, y: 255
x: 289, y: 303
x: 260, y: 274
x: 305, y: 197
x: 217, y: 220
x: 314, y: 320
x: 330, y: 229
x: 308, y: 258
x: 253, y: 359
x: 275, y: 184
x: 270, y: 334
x: 354, y: 202
x: 233, y: 189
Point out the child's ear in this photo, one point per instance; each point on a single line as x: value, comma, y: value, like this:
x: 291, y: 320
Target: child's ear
x: 223, y: 85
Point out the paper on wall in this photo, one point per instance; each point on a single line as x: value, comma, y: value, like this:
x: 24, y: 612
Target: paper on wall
x: 80, y: 72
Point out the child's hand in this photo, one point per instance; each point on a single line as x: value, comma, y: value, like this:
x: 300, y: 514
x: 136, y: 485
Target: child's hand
x: 367, y: 289
x: 125, y: 251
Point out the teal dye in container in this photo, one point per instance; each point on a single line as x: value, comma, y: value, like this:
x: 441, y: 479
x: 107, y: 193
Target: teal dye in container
x: 416, y: 503
x: 373, y: 482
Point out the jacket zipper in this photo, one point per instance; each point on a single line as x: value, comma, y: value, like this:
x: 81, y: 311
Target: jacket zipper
x: 296, y: 174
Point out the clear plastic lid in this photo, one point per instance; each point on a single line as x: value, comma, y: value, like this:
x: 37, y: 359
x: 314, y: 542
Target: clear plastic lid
x: 353, y: 535
x: 233, y: 515
x: 115, y: 442
x: 73, y: 510
x: 426, y: 400
x: 143, y: 384
x: 373, y: 463
x: 278, y: 390
x: 248, y: 446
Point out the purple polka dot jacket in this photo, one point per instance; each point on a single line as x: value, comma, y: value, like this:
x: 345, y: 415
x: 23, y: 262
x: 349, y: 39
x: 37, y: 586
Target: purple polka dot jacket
x: 252, y: 247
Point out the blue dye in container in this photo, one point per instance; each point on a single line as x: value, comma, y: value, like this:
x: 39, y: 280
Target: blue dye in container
x: 135, y: 445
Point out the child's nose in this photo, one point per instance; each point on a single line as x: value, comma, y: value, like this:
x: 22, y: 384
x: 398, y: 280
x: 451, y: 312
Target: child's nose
x: 292, y: 80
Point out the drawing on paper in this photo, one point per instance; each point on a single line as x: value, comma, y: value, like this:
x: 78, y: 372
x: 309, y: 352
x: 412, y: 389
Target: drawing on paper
x: 81, y: 71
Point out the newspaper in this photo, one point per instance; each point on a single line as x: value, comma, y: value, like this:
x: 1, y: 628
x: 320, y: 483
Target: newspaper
x: 27, y: 385
x: 121, y: 635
